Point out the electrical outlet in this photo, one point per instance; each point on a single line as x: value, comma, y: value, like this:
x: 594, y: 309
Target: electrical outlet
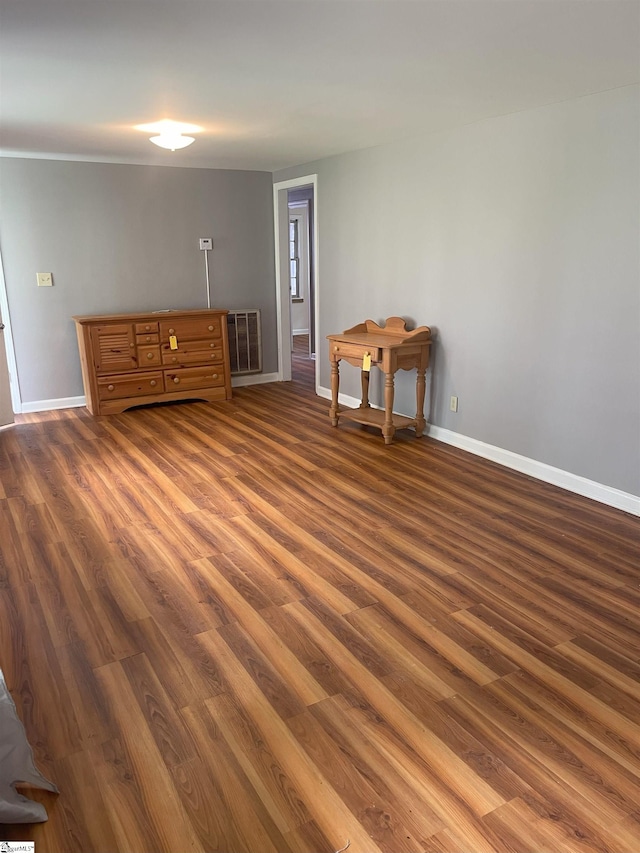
x: 453, y: 404
x: 45, y: 279
x: 206, y: 243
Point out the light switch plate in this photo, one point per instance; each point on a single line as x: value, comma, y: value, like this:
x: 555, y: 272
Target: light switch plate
x: 45, y: 279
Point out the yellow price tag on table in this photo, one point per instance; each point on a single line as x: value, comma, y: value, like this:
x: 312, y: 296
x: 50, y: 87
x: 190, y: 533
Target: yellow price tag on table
x: 173, y: 342
x: 366, y: 361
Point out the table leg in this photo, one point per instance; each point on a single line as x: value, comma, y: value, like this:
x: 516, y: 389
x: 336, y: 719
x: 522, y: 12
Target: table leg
x: 420, y: 392
x: 364, y: 381
x: 335, y: 384
x: 388, y: 428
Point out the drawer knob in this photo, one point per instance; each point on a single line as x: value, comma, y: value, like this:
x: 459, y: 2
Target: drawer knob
x: 172, y: 331
x: 131, y: 345
x: 110, y: 387
x: 149, y: 355
x: 176, y: 379
x: 153, y: 383
x: 336, y: 349
x: 211, y: 345
x: 214, y: 375
x: 211, y: 328
x: 147, y: 328
x: 174, y: 358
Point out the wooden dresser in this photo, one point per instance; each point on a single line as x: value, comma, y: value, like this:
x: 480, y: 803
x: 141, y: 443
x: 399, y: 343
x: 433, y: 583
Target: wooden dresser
x: 133, y: 359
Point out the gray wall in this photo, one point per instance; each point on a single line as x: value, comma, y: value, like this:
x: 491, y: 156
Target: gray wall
x: 125, y: 238
x: 517, y: 239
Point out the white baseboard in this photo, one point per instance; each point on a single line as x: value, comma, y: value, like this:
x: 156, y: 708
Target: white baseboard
x: 343, y: 399
x: 300, y: 332
x: 254, y: 379
x: 539, y: 470
x: 51, y: 405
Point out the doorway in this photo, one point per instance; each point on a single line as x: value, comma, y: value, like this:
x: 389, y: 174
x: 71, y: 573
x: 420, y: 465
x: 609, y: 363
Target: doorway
x: 303, y: 367
x: 302, y: 193
x: 6, y: 409
x: 301, y: 249
x: 9, y: 394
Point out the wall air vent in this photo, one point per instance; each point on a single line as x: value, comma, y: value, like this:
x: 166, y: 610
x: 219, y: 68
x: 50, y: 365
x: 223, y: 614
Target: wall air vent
x: 245, y: 342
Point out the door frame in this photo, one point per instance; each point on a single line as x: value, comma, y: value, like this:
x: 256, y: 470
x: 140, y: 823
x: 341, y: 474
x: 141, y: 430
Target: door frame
x: 283, y: 294
x: 14, y: 386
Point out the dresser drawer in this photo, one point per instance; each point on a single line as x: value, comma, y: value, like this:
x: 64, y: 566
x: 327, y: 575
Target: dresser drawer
x: 200, y: 352
x: 192, y: 378
x: 142, y: 328
x: 151, y: 338
x: 191, y: 329
x: 130, y: 385
x: 149, y: 356
x: 357, y: 351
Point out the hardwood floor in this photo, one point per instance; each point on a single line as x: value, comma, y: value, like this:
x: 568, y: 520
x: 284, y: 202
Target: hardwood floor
x: 227, y: 630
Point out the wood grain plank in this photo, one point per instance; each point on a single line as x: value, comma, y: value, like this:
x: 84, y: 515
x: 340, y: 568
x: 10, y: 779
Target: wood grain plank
x: 245, y: 824
x: 573, y: 809
x: 174, y: 829
x: 390, y: 786
x: 326, y: 807
x: 482, y: 797
x: 132, y: 821
x: 383, y: 823
x: 163, y: 721
x: 88, y: 825
x: 280, y: 657
x: 561, y: 684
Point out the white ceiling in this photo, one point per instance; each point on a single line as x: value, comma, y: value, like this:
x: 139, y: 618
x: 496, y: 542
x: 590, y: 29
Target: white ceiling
x: 275, y: 83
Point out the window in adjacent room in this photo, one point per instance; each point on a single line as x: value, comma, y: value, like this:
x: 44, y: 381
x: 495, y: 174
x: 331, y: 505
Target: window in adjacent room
x: 294, y: 256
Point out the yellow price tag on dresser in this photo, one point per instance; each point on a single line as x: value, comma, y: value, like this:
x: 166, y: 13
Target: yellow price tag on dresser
x: 366, y: 362
x: 173, y: 342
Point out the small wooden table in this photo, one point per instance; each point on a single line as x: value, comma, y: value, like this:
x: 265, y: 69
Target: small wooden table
x: 390, y: 347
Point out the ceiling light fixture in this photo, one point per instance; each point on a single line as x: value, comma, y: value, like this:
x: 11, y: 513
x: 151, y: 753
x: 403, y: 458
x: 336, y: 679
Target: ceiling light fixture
x: 170, y: 133
x: 172, y: 142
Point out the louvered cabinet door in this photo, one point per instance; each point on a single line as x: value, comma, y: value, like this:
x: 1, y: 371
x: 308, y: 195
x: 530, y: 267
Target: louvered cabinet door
x: 113, y: 346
